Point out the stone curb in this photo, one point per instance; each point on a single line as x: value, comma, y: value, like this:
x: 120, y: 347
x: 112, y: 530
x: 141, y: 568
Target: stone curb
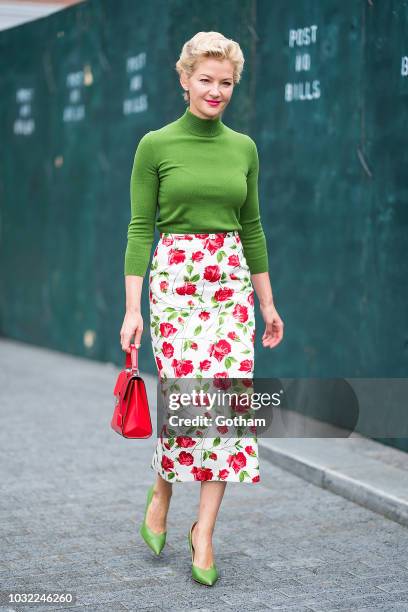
x: 359, y: 469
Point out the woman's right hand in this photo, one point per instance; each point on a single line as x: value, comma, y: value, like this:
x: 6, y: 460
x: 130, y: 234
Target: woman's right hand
x: 132, y: 326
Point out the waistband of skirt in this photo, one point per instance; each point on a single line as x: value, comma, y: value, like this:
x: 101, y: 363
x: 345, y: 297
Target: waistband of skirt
x: 199, y: 235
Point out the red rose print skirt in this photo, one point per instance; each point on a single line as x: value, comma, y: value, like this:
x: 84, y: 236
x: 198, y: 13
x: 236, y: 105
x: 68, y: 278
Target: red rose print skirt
x: 202, y: 326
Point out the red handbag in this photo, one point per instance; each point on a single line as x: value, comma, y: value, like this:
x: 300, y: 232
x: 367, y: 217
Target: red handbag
x: 131, y: 416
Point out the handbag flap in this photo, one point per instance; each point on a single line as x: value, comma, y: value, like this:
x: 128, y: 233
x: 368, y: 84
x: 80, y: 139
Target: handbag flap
x: 125, y: 391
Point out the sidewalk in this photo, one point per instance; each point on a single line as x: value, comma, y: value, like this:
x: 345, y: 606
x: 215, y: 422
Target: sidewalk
x: 73, y: 495
x: 362, y: 470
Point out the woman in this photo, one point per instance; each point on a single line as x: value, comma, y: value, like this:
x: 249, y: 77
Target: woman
x: 202, y: 177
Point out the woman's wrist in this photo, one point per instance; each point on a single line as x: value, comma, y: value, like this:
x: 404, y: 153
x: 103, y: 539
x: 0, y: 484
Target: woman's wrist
x: 132, y: 309
x: 267, y: 302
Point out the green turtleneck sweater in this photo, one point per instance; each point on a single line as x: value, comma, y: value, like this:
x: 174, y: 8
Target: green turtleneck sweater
x: 200, y: 176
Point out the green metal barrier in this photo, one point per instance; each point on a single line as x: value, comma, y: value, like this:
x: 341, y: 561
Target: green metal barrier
x: 324, y: 94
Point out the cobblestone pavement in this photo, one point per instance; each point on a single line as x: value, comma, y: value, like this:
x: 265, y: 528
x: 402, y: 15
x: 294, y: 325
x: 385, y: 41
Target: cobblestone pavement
x: 73, y: 495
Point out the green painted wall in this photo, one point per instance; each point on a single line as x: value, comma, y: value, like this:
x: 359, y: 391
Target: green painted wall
x: 325, y: 95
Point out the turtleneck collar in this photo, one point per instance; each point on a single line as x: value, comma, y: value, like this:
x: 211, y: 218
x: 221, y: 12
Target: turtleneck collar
x: 200, y: 127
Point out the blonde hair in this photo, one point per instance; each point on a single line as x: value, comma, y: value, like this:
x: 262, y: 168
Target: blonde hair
x: 209, y: 44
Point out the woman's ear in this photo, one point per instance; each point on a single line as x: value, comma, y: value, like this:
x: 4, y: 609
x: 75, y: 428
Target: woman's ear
x: 183, y: 81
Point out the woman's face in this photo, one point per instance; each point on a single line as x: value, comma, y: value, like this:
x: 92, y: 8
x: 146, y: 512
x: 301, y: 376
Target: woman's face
x: 212, y: 80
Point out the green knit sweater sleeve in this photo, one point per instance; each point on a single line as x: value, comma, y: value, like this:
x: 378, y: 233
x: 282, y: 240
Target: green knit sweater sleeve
x: 252, y: 234
x: 144, y: 187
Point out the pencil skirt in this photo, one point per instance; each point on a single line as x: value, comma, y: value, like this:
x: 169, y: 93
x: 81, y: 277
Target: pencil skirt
x: 202, y: 325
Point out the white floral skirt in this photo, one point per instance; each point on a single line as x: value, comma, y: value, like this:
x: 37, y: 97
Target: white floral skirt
x: 202, y: 326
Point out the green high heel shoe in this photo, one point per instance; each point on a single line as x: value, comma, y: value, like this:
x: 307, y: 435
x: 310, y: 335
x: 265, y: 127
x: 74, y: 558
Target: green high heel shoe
x: 155, y: 541
x: 203, y: 576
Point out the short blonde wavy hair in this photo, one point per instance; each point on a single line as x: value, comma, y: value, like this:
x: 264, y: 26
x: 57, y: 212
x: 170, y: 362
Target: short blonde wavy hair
x: 209, y: 44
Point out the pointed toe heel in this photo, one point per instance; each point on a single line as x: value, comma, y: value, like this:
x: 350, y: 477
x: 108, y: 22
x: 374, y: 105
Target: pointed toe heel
x: 208, y: 576
x: 155, y: 541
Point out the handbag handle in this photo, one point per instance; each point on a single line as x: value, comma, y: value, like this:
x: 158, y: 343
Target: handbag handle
x: 132, y: 359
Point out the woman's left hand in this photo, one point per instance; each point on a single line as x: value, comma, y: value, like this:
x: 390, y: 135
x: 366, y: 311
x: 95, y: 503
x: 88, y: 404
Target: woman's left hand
x: 274, y: 326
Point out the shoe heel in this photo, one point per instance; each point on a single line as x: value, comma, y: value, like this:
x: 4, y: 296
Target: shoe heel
x: 155, y: 541
x: 209, y: 576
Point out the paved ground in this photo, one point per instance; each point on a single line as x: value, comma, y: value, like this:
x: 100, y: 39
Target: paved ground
x: 73, y: 494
